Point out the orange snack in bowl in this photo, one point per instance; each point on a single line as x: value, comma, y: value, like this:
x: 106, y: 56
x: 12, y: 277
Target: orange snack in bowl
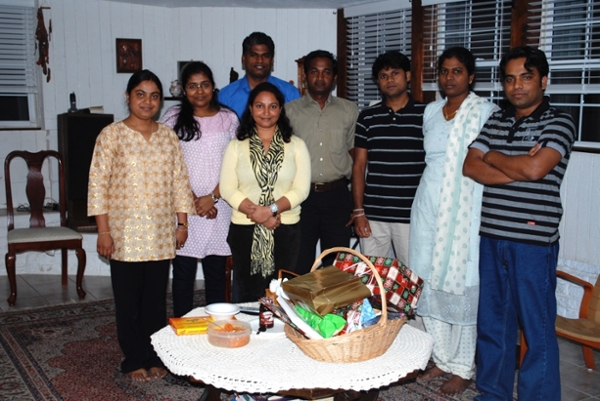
x: 229, y: 334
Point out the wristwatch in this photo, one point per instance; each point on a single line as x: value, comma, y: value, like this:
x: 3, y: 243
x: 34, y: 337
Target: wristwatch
x: 214, y: 197
x: 274, y: 209
x: 184, y: 224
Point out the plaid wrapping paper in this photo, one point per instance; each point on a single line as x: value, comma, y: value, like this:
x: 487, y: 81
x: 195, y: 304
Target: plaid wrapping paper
x: 402, y: 286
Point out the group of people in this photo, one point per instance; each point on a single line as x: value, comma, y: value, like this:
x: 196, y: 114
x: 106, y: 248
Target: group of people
x: 466, y: 193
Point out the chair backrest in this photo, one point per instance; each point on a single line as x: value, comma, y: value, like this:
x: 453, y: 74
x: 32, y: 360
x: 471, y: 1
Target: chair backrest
x: 35, y: 190
x: 594, y: 309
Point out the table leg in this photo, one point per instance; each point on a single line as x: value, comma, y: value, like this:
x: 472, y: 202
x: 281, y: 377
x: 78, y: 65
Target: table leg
x: 211, y: 393
x: 352, y: 395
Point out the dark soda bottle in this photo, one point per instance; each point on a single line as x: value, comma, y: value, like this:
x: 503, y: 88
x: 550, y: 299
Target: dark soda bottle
x: 266, y: 319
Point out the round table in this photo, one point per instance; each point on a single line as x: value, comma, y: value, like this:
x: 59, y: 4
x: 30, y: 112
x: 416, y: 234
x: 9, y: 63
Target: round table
x: 271, y: 363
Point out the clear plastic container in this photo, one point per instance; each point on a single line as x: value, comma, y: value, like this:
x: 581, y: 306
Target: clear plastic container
x: 229, y: 333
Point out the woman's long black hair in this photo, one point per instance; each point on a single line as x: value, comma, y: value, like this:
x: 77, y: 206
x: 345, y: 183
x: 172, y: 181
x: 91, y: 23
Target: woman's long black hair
x: 247, y: 124
x: 187, y: 127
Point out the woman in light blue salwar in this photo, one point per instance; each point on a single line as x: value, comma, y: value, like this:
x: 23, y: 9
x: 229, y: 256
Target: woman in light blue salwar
x: 444, y: 227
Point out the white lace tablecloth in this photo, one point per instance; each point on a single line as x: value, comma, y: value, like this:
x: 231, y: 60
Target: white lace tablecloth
x: 272, y: 363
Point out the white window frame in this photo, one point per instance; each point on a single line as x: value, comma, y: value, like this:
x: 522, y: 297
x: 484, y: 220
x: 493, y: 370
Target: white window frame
x: 26, y: 82
x: 485, y: 64
x: 547, y: 29
x: 374, y: 29
x: 541, y: 32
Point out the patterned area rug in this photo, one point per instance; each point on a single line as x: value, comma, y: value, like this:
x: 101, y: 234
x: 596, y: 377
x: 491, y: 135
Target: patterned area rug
x: 70, y: 352
x: 419, y: 391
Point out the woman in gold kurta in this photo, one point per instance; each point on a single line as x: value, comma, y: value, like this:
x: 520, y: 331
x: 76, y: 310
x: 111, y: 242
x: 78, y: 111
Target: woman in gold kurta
x: 140, y: 194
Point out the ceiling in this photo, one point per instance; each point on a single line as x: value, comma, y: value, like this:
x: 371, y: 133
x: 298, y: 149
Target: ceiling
x: 327, y: 4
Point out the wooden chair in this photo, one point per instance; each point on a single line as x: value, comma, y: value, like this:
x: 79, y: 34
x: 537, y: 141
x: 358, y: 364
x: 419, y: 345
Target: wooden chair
x: 38, y: 237
x: 584, y: 330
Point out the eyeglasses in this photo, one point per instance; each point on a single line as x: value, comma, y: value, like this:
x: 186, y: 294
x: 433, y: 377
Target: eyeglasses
x: 203, y: 85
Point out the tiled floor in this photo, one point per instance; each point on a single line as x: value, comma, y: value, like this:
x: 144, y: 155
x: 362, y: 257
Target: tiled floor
x: 35, y: 290
x: 577, y: 382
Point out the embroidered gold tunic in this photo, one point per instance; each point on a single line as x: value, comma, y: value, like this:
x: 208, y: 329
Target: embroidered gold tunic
x: 141, y: 185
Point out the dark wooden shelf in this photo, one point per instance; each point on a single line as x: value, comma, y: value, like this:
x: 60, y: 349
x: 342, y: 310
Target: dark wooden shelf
x: 77, y: 134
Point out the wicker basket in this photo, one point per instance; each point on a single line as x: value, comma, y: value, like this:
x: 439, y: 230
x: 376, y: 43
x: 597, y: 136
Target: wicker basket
x: 358, y: 346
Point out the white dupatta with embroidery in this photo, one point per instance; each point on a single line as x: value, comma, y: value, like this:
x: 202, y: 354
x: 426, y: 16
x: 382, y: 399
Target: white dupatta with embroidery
x: 451, y: 247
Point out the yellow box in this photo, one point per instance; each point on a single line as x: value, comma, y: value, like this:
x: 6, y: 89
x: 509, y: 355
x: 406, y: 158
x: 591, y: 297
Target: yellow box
x: 190, y: 325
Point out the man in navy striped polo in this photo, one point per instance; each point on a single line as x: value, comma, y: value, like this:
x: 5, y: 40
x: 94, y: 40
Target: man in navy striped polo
x: 520, y: 156
x: 388, y: 148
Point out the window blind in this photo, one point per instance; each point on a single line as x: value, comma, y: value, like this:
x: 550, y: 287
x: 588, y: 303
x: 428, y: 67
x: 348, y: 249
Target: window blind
x: 569, y: 33
x: 19, y: 90
x: 369, y: 36
x: 482, y: 26
x: 17, y: 50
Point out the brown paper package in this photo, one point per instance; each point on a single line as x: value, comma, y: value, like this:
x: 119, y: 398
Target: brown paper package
x: 323, y: 290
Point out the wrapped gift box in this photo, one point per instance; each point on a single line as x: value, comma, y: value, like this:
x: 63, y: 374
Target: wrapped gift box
x: 402, y: 286
x: 323, y: 290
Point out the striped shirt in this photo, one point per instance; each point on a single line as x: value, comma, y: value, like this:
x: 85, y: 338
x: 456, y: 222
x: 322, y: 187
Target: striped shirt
x: 395, y: 159
x: 526, y: 211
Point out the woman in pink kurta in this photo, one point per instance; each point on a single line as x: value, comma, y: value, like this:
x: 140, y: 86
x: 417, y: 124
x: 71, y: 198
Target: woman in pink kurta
x: 204, y: 128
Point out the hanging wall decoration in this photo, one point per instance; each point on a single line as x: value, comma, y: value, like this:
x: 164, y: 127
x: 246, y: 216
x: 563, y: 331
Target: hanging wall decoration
x: 42, y: 44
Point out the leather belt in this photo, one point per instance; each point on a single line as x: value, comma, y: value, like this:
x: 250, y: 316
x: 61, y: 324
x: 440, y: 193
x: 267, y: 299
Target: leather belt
x: 327, y: 186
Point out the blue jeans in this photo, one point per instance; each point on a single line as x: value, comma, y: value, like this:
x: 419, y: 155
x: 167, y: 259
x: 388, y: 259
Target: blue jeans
x: 517, y: 287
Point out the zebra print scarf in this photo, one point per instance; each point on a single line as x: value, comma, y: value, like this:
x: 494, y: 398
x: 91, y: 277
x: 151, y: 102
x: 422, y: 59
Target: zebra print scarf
x: 266, y: 168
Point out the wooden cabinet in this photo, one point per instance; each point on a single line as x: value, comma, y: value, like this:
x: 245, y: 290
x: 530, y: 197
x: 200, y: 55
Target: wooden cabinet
x: 77, y: 134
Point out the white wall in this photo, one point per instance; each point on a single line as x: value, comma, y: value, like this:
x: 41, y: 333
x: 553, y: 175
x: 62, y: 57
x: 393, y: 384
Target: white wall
x: 579, y: 229
x: 83, y: 60
x: 82, y: 49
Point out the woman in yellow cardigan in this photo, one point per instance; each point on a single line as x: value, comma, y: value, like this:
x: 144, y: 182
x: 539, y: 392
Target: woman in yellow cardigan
x: 265, y: 176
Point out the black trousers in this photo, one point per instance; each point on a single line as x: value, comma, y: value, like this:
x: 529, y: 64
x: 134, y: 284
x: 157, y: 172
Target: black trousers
x: 324, y: 217
x: 140, y: 291
x: 184, y: 278
x: 251, y: 287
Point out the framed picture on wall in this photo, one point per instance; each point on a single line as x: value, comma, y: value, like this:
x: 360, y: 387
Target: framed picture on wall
x: 129, y: 55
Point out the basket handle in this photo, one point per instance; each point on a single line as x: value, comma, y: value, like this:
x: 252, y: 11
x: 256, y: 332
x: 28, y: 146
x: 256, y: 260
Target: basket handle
x: 281, y: 272
x: 382, y: 322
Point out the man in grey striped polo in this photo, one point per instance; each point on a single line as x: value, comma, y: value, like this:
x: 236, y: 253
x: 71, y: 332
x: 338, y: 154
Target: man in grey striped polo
x: 388, y: 148
x: 520, y: 156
